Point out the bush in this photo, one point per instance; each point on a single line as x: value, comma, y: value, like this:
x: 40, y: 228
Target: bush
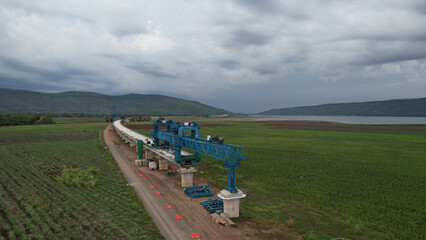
x: 25, y: 119
x: 77, y: 177
x: 47, y: 119
x: 140, y: 119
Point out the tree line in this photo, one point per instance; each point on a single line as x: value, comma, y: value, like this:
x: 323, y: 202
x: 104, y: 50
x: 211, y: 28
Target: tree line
x: 132, y: 118
x: 25, y: 119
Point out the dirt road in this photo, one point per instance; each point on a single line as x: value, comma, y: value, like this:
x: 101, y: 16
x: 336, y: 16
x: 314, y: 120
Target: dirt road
x: 194, y: 218
x: 155, y: 204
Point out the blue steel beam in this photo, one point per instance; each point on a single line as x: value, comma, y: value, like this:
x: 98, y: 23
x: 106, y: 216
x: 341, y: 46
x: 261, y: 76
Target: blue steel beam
x: 225, y: 152
x: 228, y: 153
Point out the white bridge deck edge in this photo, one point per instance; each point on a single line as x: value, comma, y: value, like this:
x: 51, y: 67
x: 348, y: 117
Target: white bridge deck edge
x: 135, y: 137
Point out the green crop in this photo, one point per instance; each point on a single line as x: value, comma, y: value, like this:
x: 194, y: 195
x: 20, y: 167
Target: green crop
x: 376, y: 179
x: 35, y: 205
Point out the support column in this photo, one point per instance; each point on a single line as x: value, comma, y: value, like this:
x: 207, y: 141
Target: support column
x: 138, y: 163
x: 163, y: 164
x: 149, y: 155
x: 186, y: 176
x: 139, y: 149
x: 132, y: 143
x: 231, y: 202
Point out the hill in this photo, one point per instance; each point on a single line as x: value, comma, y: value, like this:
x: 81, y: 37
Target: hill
x: 397, y: 107
x: 21, y: 101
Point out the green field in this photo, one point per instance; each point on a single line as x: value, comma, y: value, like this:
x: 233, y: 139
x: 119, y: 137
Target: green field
x: 358, y: 182
x: 34, y: 205
x: 314, y: 181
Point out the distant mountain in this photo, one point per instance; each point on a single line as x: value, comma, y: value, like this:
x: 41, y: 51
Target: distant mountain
x: 20, y: 101
x: 398, y: 107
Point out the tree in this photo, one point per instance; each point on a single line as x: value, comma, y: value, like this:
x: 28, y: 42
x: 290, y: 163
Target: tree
x: 107, y: 118
x: 19, y: 119
x: 47, y: 119
x: 2, y: 120
x: 33, y: 118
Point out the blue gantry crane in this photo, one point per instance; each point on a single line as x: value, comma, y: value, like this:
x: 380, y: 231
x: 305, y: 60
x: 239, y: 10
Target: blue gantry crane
x: 176, y: 135
x: 112, y: 116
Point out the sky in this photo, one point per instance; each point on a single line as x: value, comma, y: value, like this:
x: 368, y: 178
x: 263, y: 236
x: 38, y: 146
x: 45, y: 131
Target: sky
x: 243, y: 56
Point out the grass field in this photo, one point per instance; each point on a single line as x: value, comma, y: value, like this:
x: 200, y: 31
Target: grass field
x: 68, y: 120
x: 322, y: 183
x: 34, y: 205
x: 313, y: 180
x: 373, y: 179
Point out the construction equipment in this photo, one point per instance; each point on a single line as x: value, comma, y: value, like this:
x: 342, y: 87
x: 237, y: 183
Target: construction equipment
x: 198, y: 191
x: 173, y: 136
x: 213, y: 205
x: 122, y: 116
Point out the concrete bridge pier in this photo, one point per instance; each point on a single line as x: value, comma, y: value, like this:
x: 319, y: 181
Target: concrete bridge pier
x: 231, y: 202
x: 148, y: 154
x: 187, y: 176
x: 139, y: 162
x: 163, y: 164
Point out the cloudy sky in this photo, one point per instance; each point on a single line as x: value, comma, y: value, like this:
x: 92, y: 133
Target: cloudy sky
x: 244, y: 56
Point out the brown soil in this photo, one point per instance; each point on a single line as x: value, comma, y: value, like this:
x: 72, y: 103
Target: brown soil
x: 198, y: 219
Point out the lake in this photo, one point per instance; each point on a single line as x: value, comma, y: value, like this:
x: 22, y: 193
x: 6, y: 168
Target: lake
x: 343, y: 119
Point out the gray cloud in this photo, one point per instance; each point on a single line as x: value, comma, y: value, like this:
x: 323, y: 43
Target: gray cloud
x: 228, y: 64
x: 266, y: 6
x: 59, y: 72
x: 375, y: 59
x: 241, y: 38
x: 244, y: 56
x: 265, y: 71
x: 151, y: 69
x: 283, y: 8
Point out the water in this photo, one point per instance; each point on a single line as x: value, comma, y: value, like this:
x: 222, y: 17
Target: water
x: 344, y: 119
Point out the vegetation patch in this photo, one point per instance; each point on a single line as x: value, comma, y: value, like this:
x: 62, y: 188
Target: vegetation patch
x: 25, y: 119
x: 116, y: 144
x: 77, y: 177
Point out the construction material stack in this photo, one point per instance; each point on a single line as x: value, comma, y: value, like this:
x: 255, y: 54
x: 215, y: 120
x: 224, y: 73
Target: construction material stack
x: 213, y: 205
x: 198, y: 191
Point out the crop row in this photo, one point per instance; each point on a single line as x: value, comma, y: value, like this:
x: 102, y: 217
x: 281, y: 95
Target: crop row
x: 35, y: 205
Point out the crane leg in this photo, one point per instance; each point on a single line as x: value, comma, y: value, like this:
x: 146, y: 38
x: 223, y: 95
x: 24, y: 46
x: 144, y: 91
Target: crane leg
x: 232, y: 175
